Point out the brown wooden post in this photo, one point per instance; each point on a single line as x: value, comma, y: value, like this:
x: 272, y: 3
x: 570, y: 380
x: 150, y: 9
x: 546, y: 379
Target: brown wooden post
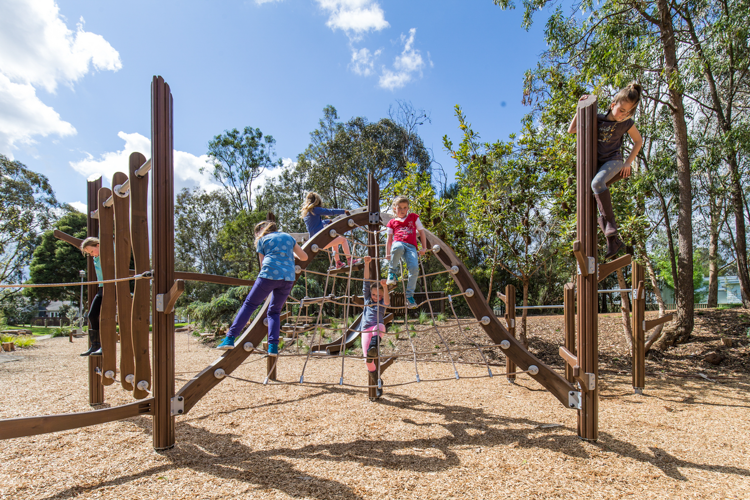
x: 122, y: 270
x: 162, y: 239
x: 373, y: 208
x: 510, y: 320
x: 140, y: 320
x: 639, y: 334
x: 107, y: 325
x: 96, y: 388
x: 587, y: 286
x: 569, y: 309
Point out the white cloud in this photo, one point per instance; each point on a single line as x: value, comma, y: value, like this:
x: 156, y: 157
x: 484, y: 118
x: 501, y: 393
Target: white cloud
x: 406, y: 65
x: 37, y: 50
x: 355, y: 17
x: 79, y: 205
x: 363, y: 61
x: 23, y: 115
x: 186, y: 165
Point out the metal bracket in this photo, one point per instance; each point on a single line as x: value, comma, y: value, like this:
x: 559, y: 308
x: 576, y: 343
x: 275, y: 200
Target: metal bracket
x: 574, y: 400
x: 374, y: 218
x: 590, y: 379
x: 590, y: 266
x: 177, y: 405
x: 160, y: 302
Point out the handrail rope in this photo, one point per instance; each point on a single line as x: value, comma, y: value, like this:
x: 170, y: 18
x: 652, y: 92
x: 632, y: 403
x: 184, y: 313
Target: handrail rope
x: 146, y: 275
x: 432, y: 315
x: 325, y: 300
x: 406, y: 326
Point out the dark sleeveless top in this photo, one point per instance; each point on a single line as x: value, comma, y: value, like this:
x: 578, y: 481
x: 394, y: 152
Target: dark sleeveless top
x: 610, y: 138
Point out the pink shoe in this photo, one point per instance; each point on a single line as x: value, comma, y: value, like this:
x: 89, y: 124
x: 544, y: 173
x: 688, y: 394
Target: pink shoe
x: 341, y: 264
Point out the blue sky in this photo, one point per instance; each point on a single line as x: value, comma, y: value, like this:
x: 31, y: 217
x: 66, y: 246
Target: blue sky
x: 75, y: 75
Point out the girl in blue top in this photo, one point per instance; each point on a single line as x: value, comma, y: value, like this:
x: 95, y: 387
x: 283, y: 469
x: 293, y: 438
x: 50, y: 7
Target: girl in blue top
x: 90, y: 247
x: 312, y: 213
x: 372, y: 326
x: 276, y: 278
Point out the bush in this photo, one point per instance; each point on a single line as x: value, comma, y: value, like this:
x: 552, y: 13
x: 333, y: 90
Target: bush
x: 21, y: 342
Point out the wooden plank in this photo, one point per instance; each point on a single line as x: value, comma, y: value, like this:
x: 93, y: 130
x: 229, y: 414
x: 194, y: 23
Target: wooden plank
x: 141, y: 306
x: 510, y: 321
x: 639, y: 334
x: 582, y: 265
x: 587, y: 350
x: 121, y: 208
x: 570, y: 358
x: 650, y: 323
x: 162, y: 240
x: 569, y: 327
x: 96, y: 388
x: 107, y: 316
x: 171, y: 297
x: 609, y: 267
x: 208, y: 278
x: 76, y: 242
x: 32, y: 426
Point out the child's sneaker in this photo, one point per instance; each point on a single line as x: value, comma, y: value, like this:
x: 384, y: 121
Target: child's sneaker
x: 372, y: 349
x: 411, y: 303
x: 341, y: 264
x: 226, y: 344
x: 391, y: 279
x: 273, y: 350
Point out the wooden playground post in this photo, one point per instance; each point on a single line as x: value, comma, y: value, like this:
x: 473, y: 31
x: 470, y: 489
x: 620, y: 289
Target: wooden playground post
x: 373, y: 208
x: 162, y: 239
x: 586, y: 250
x: 569, y: 311
x: 639, y: 334
x: 107, y: 325
x: 270, y: 364
x: 510, y: 320
x: 96, y: 388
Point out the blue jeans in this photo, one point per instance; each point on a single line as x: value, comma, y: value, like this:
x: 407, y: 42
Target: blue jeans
x: 408, y: 252
x: 604, y: 174
x: 279, y: 290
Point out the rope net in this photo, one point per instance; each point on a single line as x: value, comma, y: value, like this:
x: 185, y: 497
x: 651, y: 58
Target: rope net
x: 322, y: 319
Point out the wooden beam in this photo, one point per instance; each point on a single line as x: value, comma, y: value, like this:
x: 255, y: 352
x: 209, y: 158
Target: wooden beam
x: 582, y: 264
x: 123, y: 253
x: 510, y: 321
x: 76, y: 242
x: 107, y: 316
x: 650, y: 323
x: 172, y: 295
x: 569, y: 311
x: 32, y: 426
x: 96, y: 388
x: 609, y: 267
x: 570, y: 359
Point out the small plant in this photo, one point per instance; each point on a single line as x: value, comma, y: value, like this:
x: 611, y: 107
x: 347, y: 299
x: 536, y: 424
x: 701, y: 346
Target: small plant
x: 391, y: 344
x: 21, y: 342
x: 468, y: 328
x: 281, y: 344
x: 413, y: 334
x: 440, y: 318
x: 423, y: 318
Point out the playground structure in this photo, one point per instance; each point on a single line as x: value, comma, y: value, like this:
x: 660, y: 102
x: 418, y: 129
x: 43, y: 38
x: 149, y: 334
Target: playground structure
x: 152, y: 379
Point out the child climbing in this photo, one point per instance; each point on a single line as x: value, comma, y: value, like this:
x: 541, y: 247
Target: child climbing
x: 312, y: 213
x: 402, y: 244
x: 276, y: 278
x: 372, y: 325
x: 611, y: 129
x: 90, y: 248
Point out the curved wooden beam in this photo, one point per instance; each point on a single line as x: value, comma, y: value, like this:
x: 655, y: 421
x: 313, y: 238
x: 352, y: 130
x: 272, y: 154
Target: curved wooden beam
x: 32, y: 426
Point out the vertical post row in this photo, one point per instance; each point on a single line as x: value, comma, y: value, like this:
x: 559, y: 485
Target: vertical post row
x: 162, y: 240
x: 373, y: 207
x: 569, y: 311
x: 510, y: 321
x: 96, y: 388
x: 588, y: 317
x: 639, y: 335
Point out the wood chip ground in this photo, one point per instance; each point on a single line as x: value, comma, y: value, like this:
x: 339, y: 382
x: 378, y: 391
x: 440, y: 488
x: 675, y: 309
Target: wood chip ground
x: 686, y: 437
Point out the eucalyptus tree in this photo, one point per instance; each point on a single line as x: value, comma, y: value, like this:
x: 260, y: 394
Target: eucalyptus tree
x: 612, y: 43
x: 237, y: 160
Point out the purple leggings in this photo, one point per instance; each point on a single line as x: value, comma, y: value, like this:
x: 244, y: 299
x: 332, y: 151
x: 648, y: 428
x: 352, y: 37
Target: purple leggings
x: 279, y: 290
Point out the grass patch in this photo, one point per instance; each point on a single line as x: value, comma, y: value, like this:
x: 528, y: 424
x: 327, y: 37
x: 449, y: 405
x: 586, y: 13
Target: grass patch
x: 21, y: 341
x: 423, y: 318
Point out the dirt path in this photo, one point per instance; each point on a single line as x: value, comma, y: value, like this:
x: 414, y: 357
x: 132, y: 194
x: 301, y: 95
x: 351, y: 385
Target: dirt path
x: 471, y: 438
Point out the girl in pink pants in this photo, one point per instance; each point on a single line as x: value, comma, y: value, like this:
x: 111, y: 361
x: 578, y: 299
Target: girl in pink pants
x: 372, y: 326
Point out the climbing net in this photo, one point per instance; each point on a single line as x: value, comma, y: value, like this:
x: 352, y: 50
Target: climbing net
x: 322, y: 324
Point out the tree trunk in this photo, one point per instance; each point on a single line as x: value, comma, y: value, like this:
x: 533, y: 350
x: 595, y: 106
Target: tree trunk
x: 713, y: 252
x: 740, y: 241
x: 684, y: 287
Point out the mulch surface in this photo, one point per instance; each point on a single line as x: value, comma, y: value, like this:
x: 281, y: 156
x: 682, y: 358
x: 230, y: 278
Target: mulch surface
x: 686, y: 437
